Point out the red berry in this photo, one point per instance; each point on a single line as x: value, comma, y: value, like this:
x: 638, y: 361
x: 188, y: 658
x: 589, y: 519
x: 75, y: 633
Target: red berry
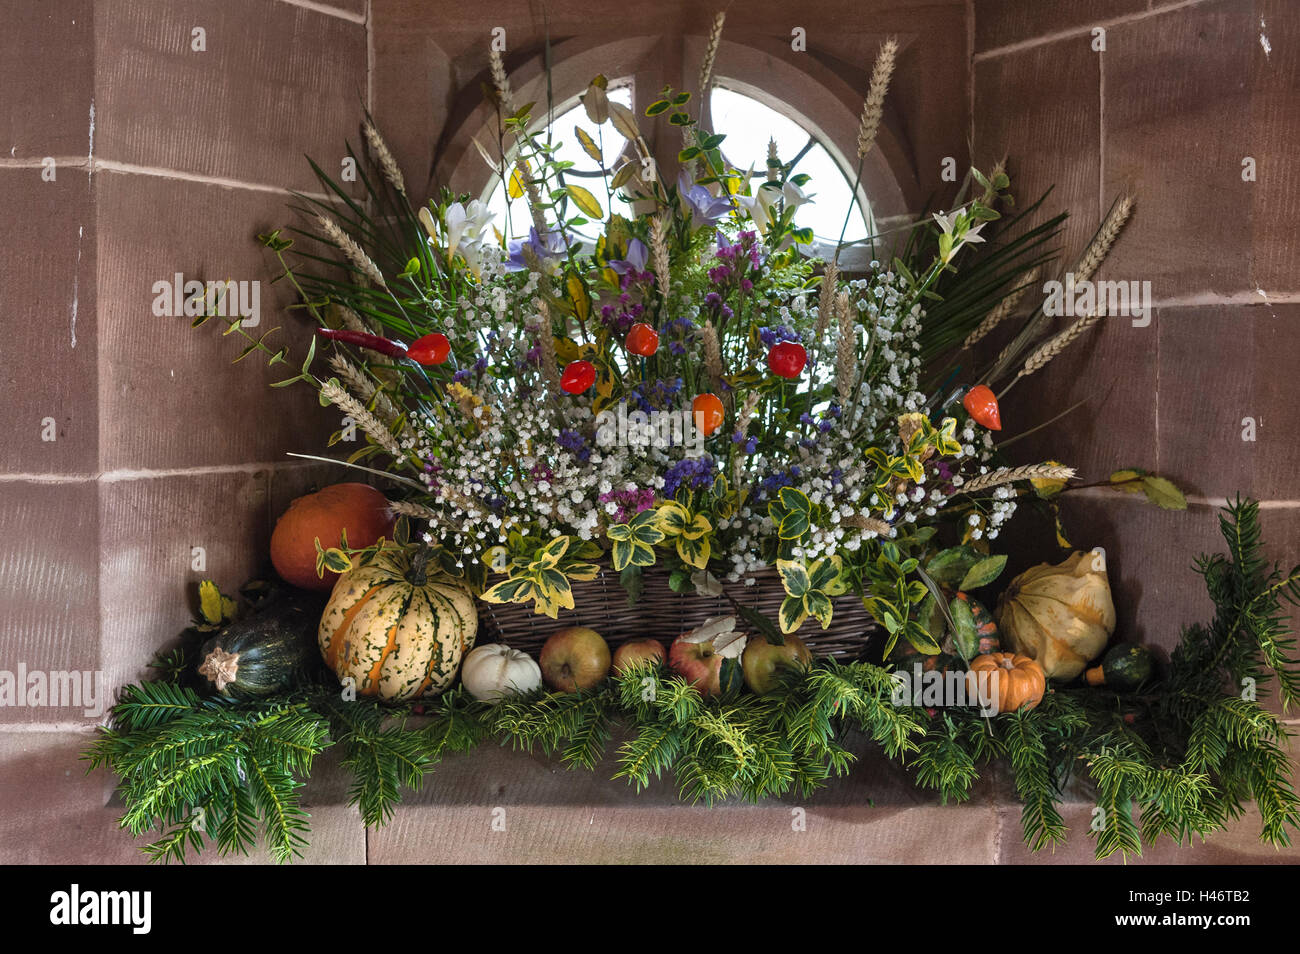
x: 982, y: 406
x: 430, y: 349
x: 708, y: 412
x: 578, y: 376
x: 787, y: 359
x: 642, y: 340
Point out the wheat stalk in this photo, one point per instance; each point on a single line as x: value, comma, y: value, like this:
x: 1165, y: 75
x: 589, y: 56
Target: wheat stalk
x: 710, y: 54
x: 1058, y: 343
x: 334, y: 392
x: 1003, y: 308
x: 407, y: 508
x: 367, y: 392
x: 873, y: 109
x: 826, y: 301
x: 1007, y: 475
x: 846, y: 348
x: 350, y: 320
x: 712, y: 355
x: 359, y: 259
x: 863, y: 522
x: 384, y: 155
x: 659, y: 251
x: 534, y: 196
x: 1103, y: 240
x: 546, y: 342
x: 501, y: 81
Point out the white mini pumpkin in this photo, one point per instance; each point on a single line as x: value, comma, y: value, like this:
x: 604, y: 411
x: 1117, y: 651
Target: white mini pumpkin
x: 493, y: 671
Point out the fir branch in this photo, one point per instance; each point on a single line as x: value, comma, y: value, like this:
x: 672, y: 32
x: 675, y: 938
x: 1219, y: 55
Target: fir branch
x: 1027, y: 751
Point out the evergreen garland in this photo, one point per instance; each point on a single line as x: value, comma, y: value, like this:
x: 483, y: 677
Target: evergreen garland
x: 1177, y: 759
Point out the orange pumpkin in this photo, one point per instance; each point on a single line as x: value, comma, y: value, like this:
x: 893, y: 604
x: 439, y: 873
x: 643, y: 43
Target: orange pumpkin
x: 357, y: 509
x: 1017, y: 681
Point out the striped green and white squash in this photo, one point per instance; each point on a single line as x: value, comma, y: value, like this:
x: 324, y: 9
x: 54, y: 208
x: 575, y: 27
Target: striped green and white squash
x: 398, y: 631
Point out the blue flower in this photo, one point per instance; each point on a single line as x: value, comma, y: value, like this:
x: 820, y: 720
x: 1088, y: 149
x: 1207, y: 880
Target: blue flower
x: 700, y: 205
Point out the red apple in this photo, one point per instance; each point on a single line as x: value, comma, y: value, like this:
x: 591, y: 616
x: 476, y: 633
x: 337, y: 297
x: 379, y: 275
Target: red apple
x: 761, y: 660
x: 702, y: 666
x: 574, y: 658
x: 638, y: 653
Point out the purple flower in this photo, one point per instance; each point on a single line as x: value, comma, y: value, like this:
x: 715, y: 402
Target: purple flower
x: 775, y: 335
x: 700, y: 205
x: 637, y: 256
x: 629, y: 502
x: 575, y: 444
x: 546, y: 247
x: 691, y: 473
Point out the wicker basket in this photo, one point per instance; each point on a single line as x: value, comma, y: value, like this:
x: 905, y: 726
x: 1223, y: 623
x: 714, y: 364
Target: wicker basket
x: 662, y: 614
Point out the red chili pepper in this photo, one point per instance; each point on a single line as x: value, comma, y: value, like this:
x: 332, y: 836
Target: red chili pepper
x: 392, y: 349
x: 982, y: 406
x: 430, y: 349
x: 642, y: 340
x: 578, y: 376
x: 787, y: 359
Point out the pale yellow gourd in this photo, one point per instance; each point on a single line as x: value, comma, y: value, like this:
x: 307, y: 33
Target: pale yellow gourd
x: 1061, y: 616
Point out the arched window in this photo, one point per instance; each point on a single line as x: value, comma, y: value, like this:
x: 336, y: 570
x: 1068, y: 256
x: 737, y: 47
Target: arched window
x: 748, y: 124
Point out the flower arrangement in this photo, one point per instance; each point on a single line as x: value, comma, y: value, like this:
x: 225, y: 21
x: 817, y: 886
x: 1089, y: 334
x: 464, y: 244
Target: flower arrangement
x: 669, y: 380
x: 679, y: 385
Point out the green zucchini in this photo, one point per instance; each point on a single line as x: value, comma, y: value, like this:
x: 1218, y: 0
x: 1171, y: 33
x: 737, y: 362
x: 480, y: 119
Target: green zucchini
x: 264, y: 653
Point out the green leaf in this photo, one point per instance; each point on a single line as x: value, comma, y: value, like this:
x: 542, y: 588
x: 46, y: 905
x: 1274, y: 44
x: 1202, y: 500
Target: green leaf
x: 336, y: 561
x: 584, y: 200
x: 1163, y: 494
x: 793, y: 577
x: 949, y: 567
x: 793, y: 526
x: 632, y: 581
x: 793, y: 613
x: 624, y: 174
x: 765, y: 627
x: 819, y: 606
x: 657, y: 107
x: 965, y: 634
x: 588, y: 144
x: 984, y: 572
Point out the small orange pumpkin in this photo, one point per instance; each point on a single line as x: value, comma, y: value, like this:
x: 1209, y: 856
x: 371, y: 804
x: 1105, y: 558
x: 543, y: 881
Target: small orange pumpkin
x: 1018, y: 681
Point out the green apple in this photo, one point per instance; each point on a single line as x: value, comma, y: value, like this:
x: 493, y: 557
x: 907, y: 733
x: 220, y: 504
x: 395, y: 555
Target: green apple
x: 647, y: 653
x: 574, y: 658
x: 762, y: 659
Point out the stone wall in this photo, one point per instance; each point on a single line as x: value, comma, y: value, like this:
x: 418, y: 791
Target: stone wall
x: 144, y: 140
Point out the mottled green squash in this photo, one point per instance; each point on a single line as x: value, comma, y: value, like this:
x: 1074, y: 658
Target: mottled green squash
x: 263, y: 654
x: 395, y: 629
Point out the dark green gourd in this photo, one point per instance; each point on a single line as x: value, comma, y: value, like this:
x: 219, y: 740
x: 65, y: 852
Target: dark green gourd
x: 263, y: 653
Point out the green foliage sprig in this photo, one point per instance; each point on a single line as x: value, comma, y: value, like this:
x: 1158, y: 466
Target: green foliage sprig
x: 1177, y: 759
